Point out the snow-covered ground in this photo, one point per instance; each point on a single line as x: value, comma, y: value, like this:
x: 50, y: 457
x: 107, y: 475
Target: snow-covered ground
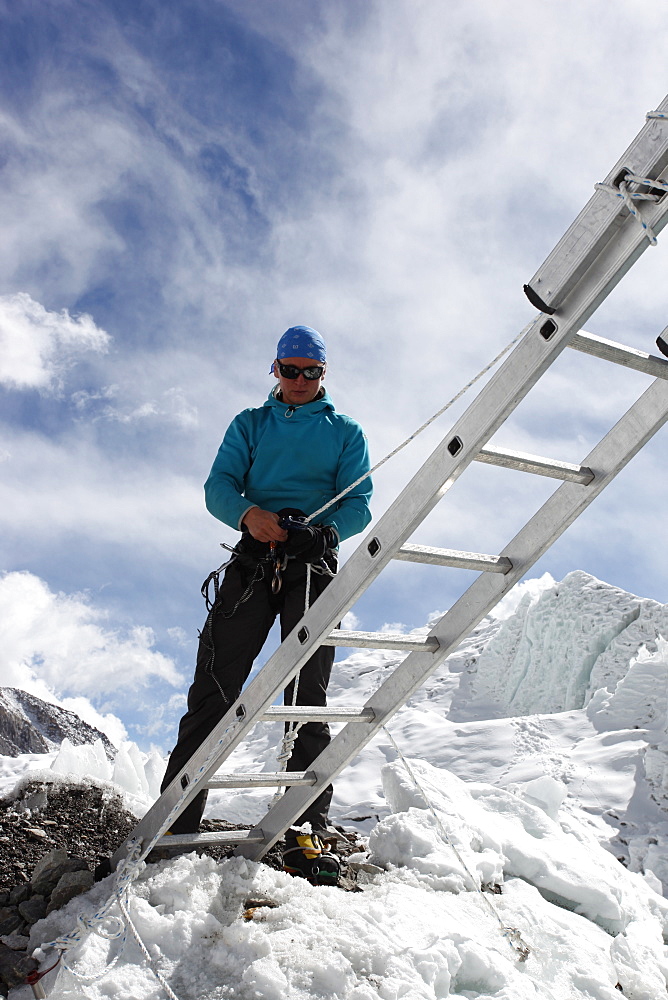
x: 540, y: 753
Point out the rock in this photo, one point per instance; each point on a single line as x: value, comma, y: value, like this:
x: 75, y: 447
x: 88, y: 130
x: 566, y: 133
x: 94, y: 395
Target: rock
x: 36, y: 832
x: 16, y: 941
x: 47, y: 871
x: 35, y: 802
x: 10, y: 919
x: 51, y: 868
x: 4, y: 898
x: 33, y: 909
x: 71, y: 884
x: 19, y: 893
x: 14, y: 966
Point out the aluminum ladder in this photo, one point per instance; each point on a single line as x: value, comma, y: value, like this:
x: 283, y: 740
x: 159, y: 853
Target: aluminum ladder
x: 603, y: 242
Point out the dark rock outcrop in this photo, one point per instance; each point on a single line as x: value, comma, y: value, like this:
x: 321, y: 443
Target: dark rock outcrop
x: 30, y: 725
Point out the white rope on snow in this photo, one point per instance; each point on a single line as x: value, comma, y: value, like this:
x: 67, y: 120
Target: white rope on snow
x: 126, y: 873
x: 511, y: 934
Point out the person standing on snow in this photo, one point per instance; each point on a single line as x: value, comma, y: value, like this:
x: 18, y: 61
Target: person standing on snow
x: 286, y: 458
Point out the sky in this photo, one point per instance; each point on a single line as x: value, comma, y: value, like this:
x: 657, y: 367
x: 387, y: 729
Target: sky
x: 183, y: 181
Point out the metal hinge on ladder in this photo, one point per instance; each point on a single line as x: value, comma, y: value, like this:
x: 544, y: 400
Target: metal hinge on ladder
x: 601, y: 245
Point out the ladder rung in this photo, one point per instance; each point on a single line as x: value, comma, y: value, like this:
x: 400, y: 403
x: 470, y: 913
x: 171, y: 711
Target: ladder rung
x: 263, y: 779
x: 312, y: 713
x: 534, y: 463
x: 609, y: 350
x: 451, y: 557
x: 380, y: 640
x: 207, y: 839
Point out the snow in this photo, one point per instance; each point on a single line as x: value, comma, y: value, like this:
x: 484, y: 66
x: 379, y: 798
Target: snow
x: 543, y: 760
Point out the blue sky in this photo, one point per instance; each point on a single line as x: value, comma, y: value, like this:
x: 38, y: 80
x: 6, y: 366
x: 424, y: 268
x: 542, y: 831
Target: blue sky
x: 181, y: 181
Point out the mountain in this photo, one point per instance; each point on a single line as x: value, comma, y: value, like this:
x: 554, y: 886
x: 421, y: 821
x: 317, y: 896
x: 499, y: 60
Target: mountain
x: 30, y: 725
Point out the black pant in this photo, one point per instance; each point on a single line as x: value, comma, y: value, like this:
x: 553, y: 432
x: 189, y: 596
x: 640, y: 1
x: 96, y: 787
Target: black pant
x: 227, y: 649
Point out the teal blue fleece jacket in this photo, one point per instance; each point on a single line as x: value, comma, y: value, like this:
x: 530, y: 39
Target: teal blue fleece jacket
x: 276, y: 456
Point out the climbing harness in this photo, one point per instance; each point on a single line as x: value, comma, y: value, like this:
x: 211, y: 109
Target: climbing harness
x: 511, y: 934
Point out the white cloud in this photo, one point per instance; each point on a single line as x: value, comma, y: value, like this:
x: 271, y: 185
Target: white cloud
x: 154, y: 511
x: 457, y: 147
x: 106, y: 722
x: 37, y: 346
x: 58, y: 643
x: 350, y: 622
x: 172, y: 407
x: 179, y: 635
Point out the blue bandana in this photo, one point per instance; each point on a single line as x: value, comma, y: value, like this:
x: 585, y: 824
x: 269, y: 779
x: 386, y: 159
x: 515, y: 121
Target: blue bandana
x: 301, y: 342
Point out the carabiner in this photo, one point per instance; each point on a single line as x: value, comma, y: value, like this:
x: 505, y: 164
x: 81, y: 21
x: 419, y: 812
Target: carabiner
x: 279, y: 566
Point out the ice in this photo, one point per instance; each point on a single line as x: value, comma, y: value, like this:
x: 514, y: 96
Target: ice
x: 543, y: 749
x: 134, y: 775
x: 551, y: 654
x: 86, y: 760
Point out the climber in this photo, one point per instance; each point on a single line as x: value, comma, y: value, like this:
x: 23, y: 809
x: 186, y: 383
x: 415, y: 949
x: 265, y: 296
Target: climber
x: 277, y: 464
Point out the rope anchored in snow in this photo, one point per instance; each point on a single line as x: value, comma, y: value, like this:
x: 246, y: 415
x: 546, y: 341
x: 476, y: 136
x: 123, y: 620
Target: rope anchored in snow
x: 110, y: 926
x: 511, y: 934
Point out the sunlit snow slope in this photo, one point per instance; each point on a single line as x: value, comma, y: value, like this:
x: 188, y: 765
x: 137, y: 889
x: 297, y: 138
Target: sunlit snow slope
x: 542, y: 746
x: 567, y: 680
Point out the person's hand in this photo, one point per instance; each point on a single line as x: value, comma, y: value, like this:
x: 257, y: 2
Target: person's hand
x: 263, y: 525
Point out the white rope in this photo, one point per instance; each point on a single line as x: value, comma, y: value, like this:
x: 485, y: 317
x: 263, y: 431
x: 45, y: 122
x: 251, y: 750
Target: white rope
x: 629, y: 197
x: 424, y: 426
x: 290, y: 735
x: 648, y: 182
x: 126, y: 873
x: 511, y: 934
x: 125, y: 876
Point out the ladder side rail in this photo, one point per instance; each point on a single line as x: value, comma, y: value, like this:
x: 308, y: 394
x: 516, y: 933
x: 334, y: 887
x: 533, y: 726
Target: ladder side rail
x: 601, y: 217
x: 541, y: 345
x: 485, y: 414
x: 647, y: 415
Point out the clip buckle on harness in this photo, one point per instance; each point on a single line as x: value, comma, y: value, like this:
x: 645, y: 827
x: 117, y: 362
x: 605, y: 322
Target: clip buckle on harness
x: 277, y: 556
x: 280, y: 561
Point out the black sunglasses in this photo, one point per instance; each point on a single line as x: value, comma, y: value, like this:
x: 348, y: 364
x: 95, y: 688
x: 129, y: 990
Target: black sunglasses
x: 312, y: 373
